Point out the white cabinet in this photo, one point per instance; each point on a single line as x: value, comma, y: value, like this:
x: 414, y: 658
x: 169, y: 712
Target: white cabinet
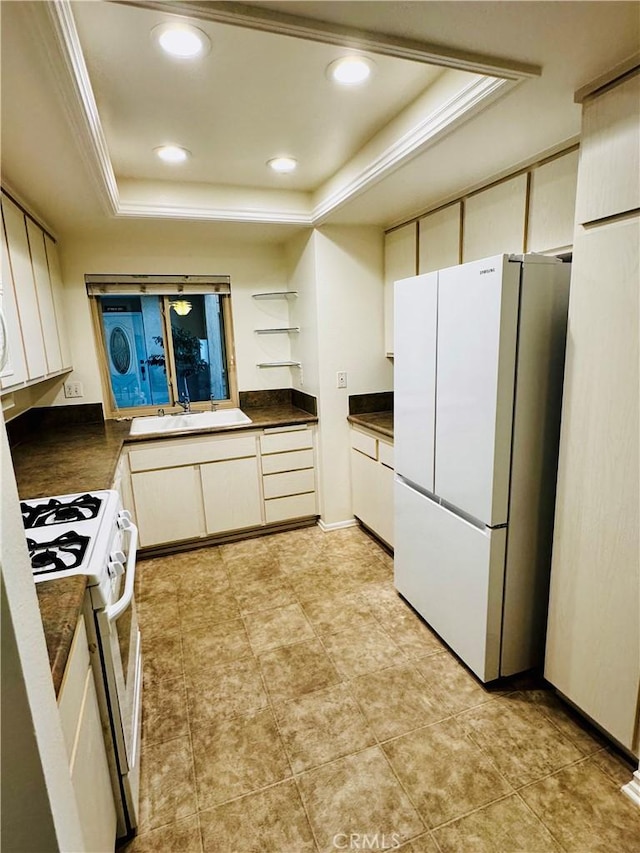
x: 416, y: 306
x: 439, y: 239
x: 494, y: 220
x: 476, y: 356
x: 593, y: 637
x: 32, y: 301
x: 82, y: 730
x: 44, y: 293
x: 552, y: 203
x: 372, y: 483
x: 189, y: 488
x: 169, y: 505
x: 610, y: 152
x: 15, y: 368
x: 288, y: 474
x: 400, y: 261
x: 25, y: 289
x: 231, y: 491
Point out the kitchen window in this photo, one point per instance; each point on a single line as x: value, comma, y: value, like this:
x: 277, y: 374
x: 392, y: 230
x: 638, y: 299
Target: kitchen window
x: 164, y: 341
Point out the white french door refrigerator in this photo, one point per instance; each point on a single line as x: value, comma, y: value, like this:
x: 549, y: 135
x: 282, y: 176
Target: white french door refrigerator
x: 478, y: 384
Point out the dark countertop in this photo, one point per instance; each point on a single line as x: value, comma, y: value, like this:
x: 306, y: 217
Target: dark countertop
x: 82, y: 458
x: 380, y: 422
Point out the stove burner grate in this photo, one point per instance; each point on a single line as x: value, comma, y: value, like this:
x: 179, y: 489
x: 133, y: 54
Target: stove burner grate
x: 56, y: 511
x: 65, y: 552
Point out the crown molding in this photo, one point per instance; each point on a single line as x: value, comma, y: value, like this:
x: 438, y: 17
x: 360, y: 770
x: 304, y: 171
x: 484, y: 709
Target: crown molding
x: 68, y: 63
x: 281, y: 23
x: 69, y: 67
x: 425, y: 133
x: 219, y: 214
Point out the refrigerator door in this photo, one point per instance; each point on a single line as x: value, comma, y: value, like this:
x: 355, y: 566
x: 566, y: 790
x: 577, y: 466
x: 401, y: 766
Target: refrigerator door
x: 452, y: 573
x: 477, y: 332
x: 415, y: 311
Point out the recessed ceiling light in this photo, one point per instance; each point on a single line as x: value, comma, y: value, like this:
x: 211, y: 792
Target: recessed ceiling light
x: 172, y: 153
x: 350, y: 70
x: 282, y: 164
x: 182, y: 41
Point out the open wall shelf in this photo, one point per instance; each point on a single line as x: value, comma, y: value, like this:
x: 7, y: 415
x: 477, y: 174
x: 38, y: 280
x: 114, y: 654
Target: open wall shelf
x: 283, y: 331
x: 276, y: 294
x: 280, y: 364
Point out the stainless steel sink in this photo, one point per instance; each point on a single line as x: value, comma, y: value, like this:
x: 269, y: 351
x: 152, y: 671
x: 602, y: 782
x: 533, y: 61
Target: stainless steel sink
x: 166, y: 424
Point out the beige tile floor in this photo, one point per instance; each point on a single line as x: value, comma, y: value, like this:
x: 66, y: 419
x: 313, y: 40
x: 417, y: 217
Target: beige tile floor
x: 292, y: 700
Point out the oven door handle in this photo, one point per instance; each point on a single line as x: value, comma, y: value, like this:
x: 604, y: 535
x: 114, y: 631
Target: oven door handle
x: 117, y: 609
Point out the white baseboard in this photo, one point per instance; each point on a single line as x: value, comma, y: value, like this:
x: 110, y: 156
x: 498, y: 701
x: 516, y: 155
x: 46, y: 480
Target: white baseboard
x: 632, y: 788
x: 336, y: 525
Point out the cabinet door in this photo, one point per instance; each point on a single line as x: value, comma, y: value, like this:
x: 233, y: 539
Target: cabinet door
x: 58, y: 299
x: 168, y: 505
x: 25, y: 289
x: 610, y: 152
x: 399, y: 262
x: 15, y: 369
x: 452, y: 573
x: 593, y: 640
x: 439, y: 239
x: 477, y: 330
x: 552, y: 204
x: 231, y: 492
x: 364, y: 489
x: 494, y: 220
x: 416, y: 303
x: 45, y: 297
x: 90, y: 777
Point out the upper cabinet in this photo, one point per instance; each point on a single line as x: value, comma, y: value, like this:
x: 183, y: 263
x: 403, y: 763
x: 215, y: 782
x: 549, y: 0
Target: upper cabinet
x: 494, y: 220
x: 25, y: 289
x: 439, y: 239
x: 610, y: 153
x: 552, y: 202
x: 32, y: 302
x: 400, y: 261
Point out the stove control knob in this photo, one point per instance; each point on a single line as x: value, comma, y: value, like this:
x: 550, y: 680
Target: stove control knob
x: 124, y: 519
x: 116, y: 568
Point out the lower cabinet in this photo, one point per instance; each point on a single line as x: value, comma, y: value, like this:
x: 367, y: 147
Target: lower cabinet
x: 231, y: 492
x: 82, y: 731
x: 189, y: 488
x: 372, y: 483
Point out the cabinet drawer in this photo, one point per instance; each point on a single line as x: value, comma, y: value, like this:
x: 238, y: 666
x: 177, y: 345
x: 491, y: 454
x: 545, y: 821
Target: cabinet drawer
x: 292, y: 461
x: 73, y: 686
x: 297, y: 506
x: 288, y: 483
x: 364, y: 443
x: 276, y: 442
x: 192, y: 452
x: 385, y: 454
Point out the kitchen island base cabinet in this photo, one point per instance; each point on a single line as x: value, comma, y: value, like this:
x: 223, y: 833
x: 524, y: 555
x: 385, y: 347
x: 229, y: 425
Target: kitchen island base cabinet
x: 82, y: 731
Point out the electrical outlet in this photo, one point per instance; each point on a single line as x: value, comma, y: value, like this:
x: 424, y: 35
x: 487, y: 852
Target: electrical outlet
x: 341, y: 379
x: 73, y: 389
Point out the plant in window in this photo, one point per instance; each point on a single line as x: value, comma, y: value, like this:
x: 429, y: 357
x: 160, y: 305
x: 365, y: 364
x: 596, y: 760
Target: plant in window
x: 186, y: 351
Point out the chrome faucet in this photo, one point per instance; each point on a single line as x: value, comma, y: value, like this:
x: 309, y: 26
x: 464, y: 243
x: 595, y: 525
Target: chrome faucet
x: 214, y: 405
x: 185, y: 403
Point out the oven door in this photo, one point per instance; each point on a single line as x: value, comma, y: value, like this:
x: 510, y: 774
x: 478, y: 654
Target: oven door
x: 119, y: 638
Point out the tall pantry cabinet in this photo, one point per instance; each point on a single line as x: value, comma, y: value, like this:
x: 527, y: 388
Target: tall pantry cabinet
x: 593, y: 639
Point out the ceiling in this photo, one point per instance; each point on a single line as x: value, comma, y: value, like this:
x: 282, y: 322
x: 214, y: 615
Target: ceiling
x: 462, y: 92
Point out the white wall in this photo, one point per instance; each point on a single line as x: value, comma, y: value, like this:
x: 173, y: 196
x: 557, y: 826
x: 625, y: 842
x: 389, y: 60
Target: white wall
x: 39, y: 810
x: 340, y: 269
x: 177, y: 248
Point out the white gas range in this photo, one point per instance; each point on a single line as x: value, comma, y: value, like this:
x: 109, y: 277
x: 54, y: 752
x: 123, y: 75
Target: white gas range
x: 92, y: 535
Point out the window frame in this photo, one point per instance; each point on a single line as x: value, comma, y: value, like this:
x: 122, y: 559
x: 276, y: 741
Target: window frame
x: 98, y: 286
